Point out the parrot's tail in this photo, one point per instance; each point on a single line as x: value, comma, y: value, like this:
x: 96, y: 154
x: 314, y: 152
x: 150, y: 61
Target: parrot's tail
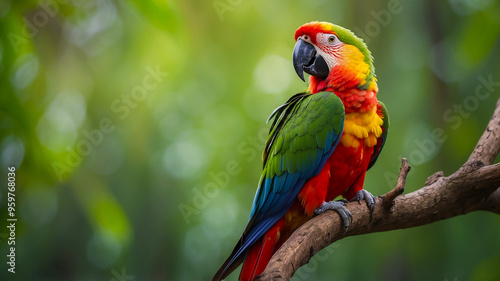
x: 260, y: 253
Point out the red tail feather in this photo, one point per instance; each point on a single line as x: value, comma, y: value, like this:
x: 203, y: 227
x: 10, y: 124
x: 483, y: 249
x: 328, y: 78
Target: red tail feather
x: 260, y: 253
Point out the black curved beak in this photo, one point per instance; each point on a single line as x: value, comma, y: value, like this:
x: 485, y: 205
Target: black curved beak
x: 306, y: 60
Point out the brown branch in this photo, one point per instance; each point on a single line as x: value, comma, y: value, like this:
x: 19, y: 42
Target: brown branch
x: 492, y: 204
x: 388, y: 198
x: 475, y: 186
x: 488, y: 146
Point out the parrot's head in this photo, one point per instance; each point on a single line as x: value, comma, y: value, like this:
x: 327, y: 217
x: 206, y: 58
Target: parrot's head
x: 334, y: 57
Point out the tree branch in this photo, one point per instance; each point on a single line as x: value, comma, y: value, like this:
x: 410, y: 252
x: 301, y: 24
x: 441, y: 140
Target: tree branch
x: 492, y: 204
x: 475, y: 186
x: 388, y: 198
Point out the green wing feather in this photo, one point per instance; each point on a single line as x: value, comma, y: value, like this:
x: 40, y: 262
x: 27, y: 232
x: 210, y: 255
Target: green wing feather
x: 302, y: 136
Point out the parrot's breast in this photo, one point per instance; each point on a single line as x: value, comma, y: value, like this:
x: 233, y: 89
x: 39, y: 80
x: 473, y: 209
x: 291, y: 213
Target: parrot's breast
x: 361, y: 128
x: 347, y: 164
x: 351, y: 157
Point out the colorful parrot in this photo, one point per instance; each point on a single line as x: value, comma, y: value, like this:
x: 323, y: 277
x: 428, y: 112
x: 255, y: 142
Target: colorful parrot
x: 320, y: 145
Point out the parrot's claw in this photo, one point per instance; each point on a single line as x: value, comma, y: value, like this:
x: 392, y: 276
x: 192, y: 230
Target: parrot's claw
x: 368, y: 197
x: 338, y: 206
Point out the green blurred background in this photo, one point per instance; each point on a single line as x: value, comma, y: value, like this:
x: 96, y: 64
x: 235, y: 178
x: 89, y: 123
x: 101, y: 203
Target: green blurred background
x: 136, y: 128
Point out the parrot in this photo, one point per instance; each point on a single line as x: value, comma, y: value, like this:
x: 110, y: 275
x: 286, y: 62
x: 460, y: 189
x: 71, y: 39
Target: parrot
x: 321, y: 142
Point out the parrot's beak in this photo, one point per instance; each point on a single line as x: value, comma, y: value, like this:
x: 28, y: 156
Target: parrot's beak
x: 306, y: 60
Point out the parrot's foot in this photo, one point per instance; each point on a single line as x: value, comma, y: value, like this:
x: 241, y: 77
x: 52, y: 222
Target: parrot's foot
x: 338, y: 206
x: 368, y: 197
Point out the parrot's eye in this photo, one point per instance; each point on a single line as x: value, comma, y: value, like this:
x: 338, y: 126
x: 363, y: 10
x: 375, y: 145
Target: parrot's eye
x: 331, y: 39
